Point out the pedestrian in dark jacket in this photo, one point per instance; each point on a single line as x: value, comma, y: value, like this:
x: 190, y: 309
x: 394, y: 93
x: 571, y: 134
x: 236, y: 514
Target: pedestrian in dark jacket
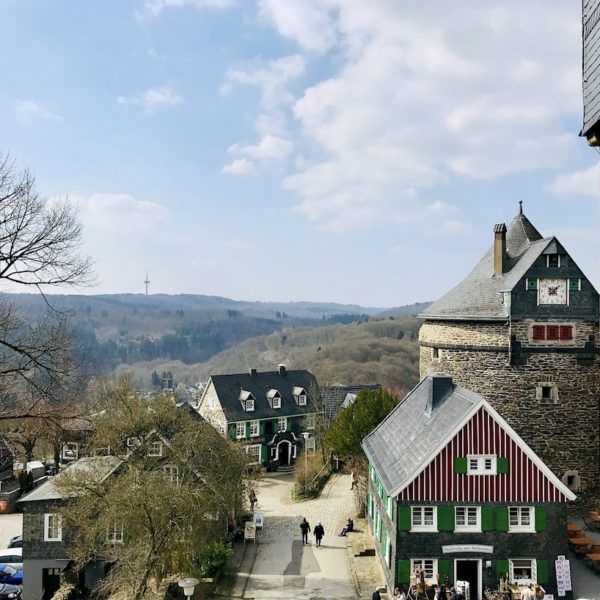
x: 305, y: 529
x: 376, y: 595
x: 319, y: 532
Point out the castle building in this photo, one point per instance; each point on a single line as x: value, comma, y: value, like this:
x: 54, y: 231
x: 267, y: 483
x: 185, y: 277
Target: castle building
x: 522, y: 331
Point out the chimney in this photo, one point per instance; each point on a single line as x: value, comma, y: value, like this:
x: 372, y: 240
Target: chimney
x: 253, y: 372
x: 440, y: 388
x: 499, y: 248
x: 281, y: 369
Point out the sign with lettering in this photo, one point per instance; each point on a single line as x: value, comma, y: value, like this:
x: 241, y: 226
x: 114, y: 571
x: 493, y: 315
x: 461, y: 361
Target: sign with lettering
x: 480, y: 548
x: 563, y: 576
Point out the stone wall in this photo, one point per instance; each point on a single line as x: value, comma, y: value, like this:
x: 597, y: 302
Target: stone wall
x: 564, y: 432
x: 34, y: 545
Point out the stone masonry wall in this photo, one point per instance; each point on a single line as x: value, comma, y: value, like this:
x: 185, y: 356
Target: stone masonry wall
x: 564, y: 432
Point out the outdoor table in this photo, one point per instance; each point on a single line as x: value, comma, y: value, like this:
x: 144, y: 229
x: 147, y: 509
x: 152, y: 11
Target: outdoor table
x: 595, y: 557
x: 581, y: 541
x: 572, y: 527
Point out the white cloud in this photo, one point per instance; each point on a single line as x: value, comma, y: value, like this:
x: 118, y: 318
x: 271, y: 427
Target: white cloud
x: 155, y: 7
x: 120, y: 213
x: 28, y: 111
x: 240, y: 166
x: 152, y: 98
x: 584, y: 182
x: 414, y: 95
x: 269, y: 148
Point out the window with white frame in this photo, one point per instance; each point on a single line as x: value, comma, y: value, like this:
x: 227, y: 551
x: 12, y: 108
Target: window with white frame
x: 427, y: 565
x: 481, y: 464
x: 390, y: 506
x: 52, y: 527
x: 281, y: 424
x: 254, y: 452
x: 254, y: 428
x: 302, y: 400
x: 468, y: 518
x: 172, y: 474
x: 249, y: 405
x: 240, y: 430
x: 423, y: 518
x: 70, y: 451
x: 522, y: 570
x: 114, y: 534
x: 276, y: 401
x: 521, y: 519
x: 155, y: 449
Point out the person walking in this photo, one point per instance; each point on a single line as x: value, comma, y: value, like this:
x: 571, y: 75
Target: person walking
x: 353, y: 480
x: 252, y: 499
x: 376, y: 595
x: 305, y: 529
x: 319, y: 532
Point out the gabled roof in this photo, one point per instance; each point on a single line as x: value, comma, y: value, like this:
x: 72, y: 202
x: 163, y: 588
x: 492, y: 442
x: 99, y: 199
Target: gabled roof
x: 229, y: 387
x: 333, y: 396
x: 479, y: 296
x: 423, y: 424
x: 98, y: 467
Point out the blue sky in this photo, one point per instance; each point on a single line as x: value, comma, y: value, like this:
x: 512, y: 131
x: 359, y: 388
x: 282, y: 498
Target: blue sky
x: 331, y: 150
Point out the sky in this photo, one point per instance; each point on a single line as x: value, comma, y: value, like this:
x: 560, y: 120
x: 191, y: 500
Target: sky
x: 322, y: 150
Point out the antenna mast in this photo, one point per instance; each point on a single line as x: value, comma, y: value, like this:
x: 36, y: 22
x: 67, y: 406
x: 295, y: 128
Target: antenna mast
x: 146, y: 282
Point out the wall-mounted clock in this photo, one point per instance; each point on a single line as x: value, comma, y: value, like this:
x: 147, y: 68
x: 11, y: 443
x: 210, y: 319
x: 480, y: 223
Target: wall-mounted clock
x: 552, y: 291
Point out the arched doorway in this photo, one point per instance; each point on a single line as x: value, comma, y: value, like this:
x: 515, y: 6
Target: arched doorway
x: 284, y: 450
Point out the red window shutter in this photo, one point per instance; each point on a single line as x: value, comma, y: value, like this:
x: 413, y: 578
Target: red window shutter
x: 566, y: 332
x: 539, y: 332
x: 552, y: 332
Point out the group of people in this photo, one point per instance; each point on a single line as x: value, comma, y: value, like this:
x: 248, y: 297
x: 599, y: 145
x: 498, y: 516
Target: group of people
x: 318, y: 531
x: 400, y: 594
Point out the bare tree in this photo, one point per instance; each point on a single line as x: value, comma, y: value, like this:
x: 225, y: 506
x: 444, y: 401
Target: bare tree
x: 40, y: 244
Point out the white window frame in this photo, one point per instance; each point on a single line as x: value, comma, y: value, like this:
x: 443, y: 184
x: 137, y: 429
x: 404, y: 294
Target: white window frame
x: 155, y: 449
x: 418, y: 516
x: 522, y: 580
x: 249, y: 405
x: 254, y: 428
x: 52, y: 527
x: 70, y: 451
x: 390, y: 506
x: 520, y: 512
x: 254, y: 450
x: 281, y: 425
x: 276, y: 401
x: 114, y: 534
x: 302, y: 400
x: 172, y: 474
x: 548, y: 260
x: 482, y: 464
x: 429, y: 565
x: 466, y: 518
x: 240, y: 430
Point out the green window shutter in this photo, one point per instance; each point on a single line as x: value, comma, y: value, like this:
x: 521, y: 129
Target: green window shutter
x: 541, y: 518
x: 501, y: 568
x: 487, y: 518
x: 247, y: 429
x: 403, y: 570
x: 444, y: 570
x: 502, y: 465
x: 574, y: 285
x: 404, y: 518
x: 232, y: 432
x: 264, y: 453
x: 502, y: 519
x: 531, y: 283
x: 542, y: 571
x: 261, y: 428
x: 460, y: 464
x: 445, y: 520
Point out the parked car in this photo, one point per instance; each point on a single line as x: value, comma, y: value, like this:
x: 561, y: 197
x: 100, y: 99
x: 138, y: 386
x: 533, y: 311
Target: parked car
x: 8, y: 590
x: 11, y: 574
x: 16, y: 542
x: 12, y: 556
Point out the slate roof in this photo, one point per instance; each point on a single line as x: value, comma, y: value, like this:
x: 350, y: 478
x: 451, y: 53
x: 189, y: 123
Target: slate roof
x: 479, y: 296
x: 333, y: 396
x: 98, y: 467
x: 414, y: 432
x: 228, y: 388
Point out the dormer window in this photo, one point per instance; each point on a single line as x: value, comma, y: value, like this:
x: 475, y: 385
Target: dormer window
x: 299, y: 396
x: 247, y: 400
x: 302, y: 400
x: 249, y: 405
x: 274, y: 398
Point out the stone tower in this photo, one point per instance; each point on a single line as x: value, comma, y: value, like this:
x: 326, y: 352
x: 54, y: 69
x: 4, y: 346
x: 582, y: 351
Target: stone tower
x: 522, y: 330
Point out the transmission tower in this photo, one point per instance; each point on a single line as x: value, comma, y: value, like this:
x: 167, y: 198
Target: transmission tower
x: 146, y: 282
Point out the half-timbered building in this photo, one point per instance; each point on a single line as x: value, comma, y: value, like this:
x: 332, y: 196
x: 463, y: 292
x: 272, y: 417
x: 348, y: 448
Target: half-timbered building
x: 456, y: 492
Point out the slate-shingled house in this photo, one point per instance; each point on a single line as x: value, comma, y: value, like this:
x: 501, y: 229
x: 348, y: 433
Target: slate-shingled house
x: 266, y: 412
x: 455, y: 491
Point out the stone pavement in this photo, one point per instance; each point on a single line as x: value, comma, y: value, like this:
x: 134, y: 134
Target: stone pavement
x: 280, y: 567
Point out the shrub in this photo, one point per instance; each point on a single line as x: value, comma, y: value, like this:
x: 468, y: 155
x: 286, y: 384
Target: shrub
x: 309, y: 476
x: 215, y: 557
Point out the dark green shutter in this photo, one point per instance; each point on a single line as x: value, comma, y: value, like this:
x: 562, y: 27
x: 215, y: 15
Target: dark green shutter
x: 445, y: 520
x: 403, y: 570
x: 502, y: 519
x: 264, y: 453
x: 232, y: 432
x: 502, y: 465
x: 574, y: 285
x: 542, y: 571
x: 501, y: 568
x: 531, y: 283
x: 247, y: 429
x: 487, y: 518
x: 404, y: 520
x: 261, y: 428
x: 541, y: 518
x: 460, y: 464
x: 444, y: 570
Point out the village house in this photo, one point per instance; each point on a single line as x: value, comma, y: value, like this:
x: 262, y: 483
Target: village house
x: 455, y: 492
x: 266, y: 412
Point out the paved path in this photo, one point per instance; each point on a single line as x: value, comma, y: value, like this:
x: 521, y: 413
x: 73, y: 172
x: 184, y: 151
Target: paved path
x: 278, y: 566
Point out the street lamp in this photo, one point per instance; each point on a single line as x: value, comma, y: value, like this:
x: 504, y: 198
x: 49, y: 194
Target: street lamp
x: 188, y: 584
x: 305, y: 435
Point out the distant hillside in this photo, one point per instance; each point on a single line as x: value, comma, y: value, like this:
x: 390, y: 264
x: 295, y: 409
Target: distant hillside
x: 410, y: 310
x: 373, y: 351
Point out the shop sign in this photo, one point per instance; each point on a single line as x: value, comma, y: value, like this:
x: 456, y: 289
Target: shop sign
x: 467, y: 548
